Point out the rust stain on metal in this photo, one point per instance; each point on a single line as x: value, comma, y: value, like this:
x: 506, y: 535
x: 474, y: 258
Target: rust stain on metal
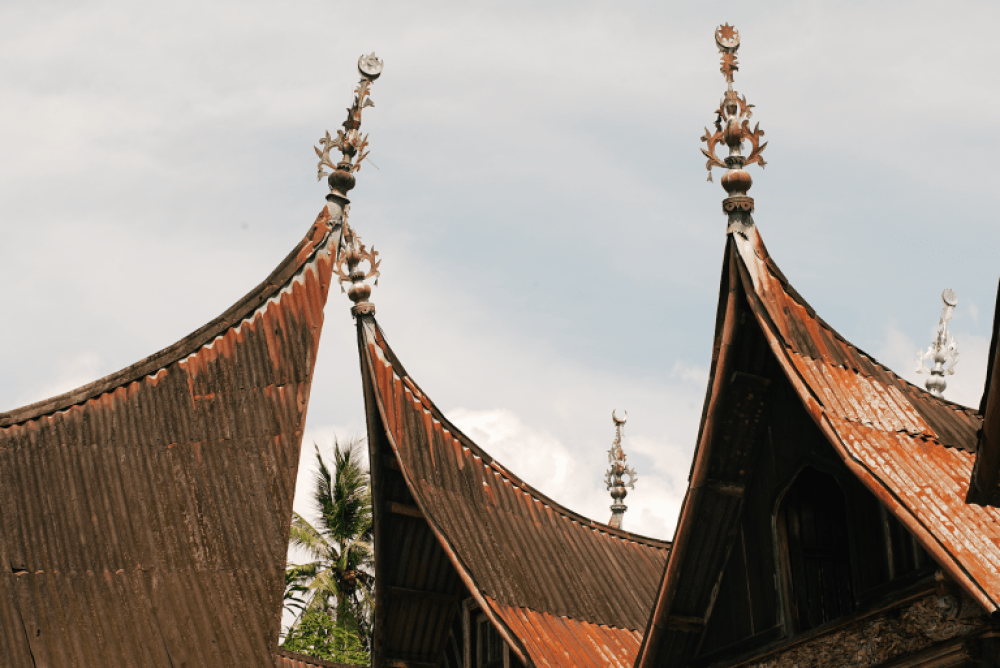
x: 547, y: 577
x: 913, y: 450
x: 145, y: 515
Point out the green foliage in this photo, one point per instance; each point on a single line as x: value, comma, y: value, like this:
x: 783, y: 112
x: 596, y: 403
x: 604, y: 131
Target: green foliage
x: 318, y: 635
x: 332, y: 595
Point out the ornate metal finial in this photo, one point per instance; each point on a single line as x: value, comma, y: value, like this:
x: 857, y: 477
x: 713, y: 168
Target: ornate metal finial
x: 732, y: 127
x: 349, y: 140
x: 944, y: 349
x: 353, y: 255
x: 613, y: 478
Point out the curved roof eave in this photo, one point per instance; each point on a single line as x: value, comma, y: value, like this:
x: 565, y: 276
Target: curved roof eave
x: 304, y: 251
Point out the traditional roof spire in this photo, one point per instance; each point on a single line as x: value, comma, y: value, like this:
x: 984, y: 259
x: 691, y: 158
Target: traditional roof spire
x: 943, y: 350
x: 348, y: 141
x: 352, y: 148
x: 354, y: 254
x: 613, y: 478
x: 732, y: 127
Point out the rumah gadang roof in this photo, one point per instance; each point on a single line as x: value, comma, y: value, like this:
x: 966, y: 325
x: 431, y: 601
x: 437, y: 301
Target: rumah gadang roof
x: 985, y: 487
x: 144, y: 517
x: 915, y: 452
x: 561, y: 589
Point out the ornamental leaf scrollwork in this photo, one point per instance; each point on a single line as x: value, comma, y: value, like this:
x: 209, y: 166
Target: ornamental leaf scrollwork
x: 349, y: 141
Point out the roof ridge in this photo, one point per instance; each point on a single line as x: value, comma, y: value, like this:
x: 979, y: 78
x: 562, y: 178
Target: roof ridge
x: 314, y: 240
x: 794, y: 294
x: 491, y: 463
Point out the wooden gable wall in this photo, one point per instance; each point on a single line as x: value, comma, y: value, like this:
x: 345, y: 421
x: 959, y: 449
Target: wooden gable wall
x: 749, y: 611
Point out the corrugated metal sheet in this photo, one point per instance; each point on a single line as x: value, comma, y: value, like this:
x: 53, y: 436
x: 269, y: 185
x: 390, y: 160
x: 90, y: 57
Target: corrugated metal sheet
x: 144, y: 517
x: 518, y: 548
x: 985, y: 487
x: 560, y: 641
x: 914, y: 451
x: 286, y: 659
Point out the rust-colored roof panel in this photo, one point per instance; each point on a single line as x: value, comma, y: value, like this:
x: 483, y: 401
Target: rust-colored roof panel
x: 144, y: 517
x: 913, y: 450
x: 560, y: 641
x: 516, y: 546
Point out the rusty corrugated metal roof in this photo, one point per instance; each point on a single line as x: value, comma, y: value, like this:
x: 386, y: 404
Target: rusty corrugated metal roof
x: 144, y: 517
x: 985, y: 486
x: 285, y: 659
x: 912, y: 450
x: 547, y: 575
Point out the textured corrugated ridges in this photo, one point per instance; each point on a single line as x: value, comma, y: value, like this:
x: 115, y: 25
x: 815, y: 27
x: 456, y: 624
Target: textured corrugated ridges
x: 521, y: 548
x: 147, y: 525
x: 554, y: 641
x: 806, y: 334
x: 896, y: 431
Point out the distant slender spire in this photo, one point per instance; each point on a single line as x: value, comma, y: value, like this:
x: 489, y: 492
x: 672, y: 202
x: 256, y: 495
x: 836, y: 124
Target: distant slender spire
x: 943, y: 350
x: 613, y: 478
x: 732, y: 127
x: 352, y: 146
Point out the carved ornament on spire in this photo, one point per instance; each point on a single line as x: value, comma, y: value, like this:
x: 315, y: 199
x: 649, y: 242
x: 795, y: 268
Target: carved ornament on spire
x: 732, y: 128
x: 613, y: 477
x: 943, y: 350
x: 349, y: 141
x: 354, y: 253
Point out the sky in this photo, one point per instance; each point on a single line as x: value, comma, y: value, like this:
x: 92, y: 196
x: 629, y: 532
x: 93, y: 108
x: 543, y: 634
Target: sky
x: 550, y: 247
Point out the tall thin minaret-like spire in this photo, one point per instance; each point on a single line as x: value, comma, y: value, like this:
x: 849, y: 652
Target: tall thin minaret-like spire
x: 352, y: 146
x: 732, y: 128
x: 613, y: 478
x: 943, y: 350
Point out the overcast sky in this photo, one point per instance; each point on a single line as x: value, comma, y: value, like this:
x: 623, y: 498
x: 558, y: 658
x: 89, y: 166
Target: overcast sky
x: 550, y: 247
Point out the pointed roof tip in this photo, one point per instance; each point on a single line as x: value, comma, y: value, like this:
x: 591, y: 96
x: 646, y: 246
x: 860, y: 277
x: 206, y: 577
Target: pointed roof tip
x: 732, y: 128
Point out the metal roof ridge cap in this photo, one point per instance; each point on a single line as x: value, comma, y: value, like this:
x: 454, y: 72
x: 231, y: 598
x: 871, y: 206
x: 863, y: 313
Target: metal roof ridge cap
x: 286, y: 271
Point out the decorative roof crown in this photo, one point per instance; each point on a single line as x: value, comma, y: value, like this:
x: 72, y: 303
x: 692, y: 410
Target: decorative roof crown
x: 732, y: 127
x: 350, y: 143
x: 943, y: 350
x: 352, y: 147
x: 613, y: 478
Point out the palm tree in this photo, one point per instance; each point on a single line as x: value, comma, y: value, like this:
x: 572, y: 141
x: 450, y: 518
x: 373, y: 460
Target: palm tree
x: 338, y: 581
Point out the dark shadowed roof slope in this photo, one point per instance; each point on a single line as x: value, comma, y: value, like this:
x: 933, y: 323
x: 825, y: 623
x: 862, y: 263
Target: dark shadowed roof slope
x: 562, y: 589
x: 144, y: 517
x: 985, y: 486
x: 915, y: 452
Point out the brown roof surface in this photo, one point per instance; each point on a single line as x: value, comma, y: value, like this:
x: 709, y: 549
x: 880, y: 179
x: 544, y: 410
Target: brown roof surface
x: 551, y: 579
x: 985, y: 487
x: 145, y: 516
x: 913, y: 451
x: 285, y: 659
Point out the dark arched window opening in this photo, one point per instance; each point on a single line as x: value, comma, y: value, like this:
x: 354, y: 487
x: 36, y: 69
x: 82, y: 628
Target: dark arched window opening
x: 813, y: 517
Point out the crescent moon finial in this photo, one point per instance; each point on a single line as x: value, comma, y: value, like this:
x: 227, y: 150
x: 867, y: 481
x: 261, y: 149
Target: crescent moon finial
x: 616, y: 419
